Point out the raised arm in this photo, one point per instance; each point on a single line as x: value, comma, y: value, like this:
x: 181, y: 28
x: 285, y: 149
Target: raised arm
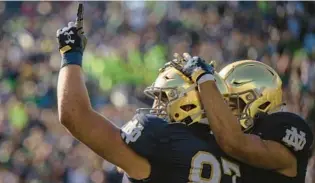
x: 250, y: 149
x: 76, y: 113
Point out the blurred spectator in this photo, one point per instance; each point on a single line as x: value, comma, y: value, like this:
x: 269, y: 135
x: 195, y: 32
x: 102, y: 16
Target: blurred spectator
x: 128, y: 42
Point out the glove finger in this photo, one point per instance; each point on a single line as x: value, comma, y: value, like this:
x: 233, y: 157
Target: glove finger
x: 71, y: 24
x: 58, y: 32
x: 175, y: 55
x: 83, y: 40
x: 196, y: 58
x: 213, y: 63
x: 186, y: 56
x: 178, y: 57
x: 79, y: 20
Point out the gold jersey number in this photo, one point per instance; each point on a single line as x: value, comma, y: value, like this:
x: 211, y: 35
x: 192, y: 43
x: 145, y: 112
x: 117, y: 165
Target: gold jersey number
x: 205, y: 158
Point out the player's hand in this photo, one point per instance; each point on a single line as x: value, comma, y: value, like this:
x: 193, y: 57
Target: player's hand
x: 195, y: 67
x: 72, y: 38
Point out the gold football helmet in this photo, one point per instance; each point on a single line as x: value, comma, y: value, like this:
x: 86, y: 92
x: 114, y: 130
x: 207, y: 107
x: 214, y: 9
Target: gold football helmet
x: 254, y: 88
x: 176, y: 97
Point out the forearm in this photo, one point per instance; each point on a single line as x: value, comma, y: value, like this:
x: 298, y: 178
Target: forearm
x: 73, y: 99
x: 77, y: 115
x: 75, y: 111
x: 222, y: 122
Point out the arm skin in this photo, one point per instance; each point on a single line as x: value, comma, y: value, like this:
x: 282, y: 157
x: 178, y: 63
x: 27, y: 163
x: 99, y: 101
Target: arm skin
x: 92, y: 129
x: 247, y: 148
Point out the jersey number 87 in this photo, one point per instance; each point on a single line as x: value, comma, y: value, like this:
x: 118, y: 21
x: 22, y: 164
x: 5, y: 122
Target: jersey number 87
x: 205, y: 158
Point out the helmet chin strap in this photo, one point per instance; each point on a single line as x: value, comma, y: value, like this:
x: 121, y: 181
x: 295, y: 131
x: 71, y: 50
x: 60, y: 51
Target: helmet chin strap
x: 204, y: 121
x: 198, y: 114
x: 279, y: 108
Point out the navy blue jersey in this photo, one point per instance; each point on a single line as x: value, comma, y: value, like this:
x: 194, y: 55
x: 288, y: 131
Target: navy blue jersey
x: 292, y: 132
x: 178, y: 153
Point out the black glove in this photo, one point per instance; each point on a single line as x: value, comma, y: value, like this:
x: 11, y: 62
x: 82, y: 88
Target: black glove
x: 72, y: 41
x: 196, y: 67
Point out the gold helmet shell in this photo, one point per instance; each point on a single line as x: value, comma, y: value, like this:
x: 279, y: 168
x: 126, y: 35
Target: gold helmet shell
x: 177, y: 96
x: 254, y: 88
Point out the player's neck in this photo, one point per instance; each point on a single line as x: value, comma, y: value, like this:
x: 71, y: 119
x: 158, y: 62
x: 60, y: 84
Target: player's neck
x: 204, y: 121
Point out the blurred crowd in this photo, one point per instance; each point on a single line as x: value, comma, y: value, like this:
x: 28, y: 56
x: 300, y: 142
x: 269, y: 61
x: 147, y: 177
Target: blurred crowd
x: 127, y: 43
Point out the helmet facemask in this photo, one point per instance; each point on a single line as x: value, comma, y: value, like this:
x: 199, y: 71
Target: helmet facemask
x: 240, y: 104
x: 161, y: 100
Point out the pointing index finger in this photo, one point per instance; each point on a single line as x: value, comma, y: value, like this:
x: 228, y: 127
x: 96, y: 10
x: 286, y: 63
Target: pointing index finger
x: 79, y: 20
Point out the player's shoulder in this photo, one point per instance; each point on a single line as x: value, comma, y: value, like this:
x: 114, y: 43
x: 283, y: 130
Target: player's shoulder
x: 145, y: 123
x: 143, y: 132
x: 149, y: 121
x: 288, y: 129
x: 288, y: 119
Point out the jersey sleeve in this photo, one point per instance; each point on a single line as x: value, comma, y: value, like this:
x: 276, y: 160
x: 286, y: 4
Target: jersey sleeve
x: 292, y: 132
x: 142, y: 134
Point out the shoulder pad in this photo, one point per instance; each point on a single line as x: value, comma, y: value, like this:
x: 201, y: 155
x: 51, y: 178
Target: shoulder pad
x: 142, y: 133
x: 289, y: 130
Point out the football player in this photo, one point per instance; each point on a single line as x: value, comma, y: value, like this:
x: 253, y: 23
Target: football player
x: 276, y: 143
x: 148, y: 148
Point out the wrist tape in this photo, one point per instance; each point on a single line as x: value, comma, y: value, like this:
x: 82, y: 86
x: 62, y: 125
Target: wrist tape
x: 72, y: 58
x: 204, y: 78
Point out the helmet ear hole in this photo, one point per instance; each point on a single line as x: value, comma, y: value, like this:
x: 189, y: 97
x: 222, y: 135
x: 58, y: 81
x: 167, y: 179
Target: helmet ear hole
x: 188, y: 107
x: 264, y: 105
